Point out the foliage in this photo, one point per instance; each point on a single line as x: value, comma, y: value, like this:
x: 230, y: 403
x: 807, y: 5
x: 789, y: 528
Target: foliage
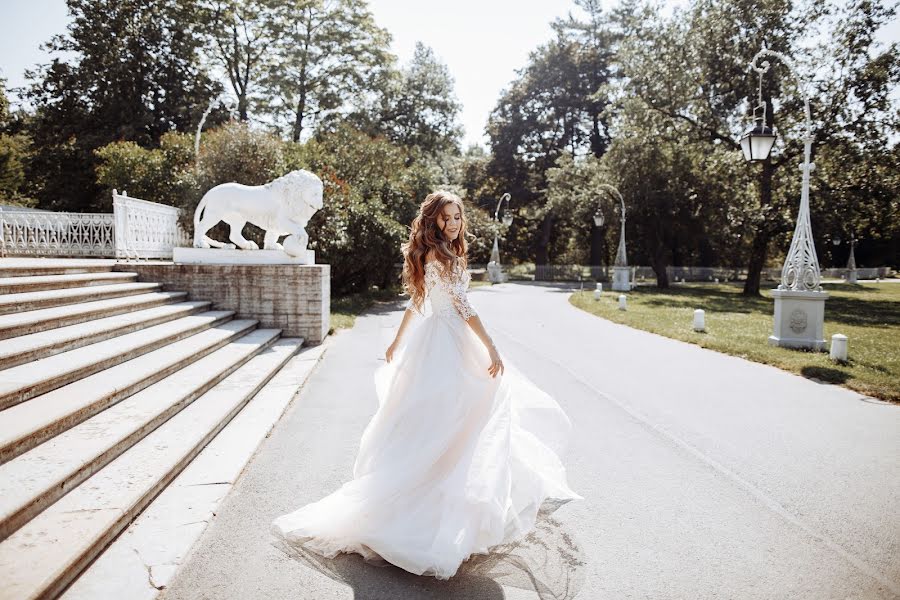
x: 127, y: 70
x: 416, y: 107
x: 159, y: 175
x: 327, y: 53
x: 554, y: 107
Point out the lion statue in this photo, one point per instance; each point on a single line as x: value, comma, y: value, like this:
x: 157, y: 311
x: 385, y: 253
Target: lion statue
x: 280, y: 207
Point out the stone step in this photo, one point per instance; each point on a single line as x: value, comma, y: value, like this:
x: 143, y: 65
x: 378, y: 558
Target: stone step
x: 20, y: 350
x: 24, y: 426
x: 17, y: 303
x: 141, y: 561
x: 18, y: 384
x: 60, y: 316
x: 38, y: 283
x: 26, y: 267
x: 35, y: 480
x: 44, y: 556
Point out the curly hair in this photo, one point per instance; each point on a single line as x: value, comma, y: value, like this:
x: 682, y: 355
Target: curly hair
x: 425, y: 235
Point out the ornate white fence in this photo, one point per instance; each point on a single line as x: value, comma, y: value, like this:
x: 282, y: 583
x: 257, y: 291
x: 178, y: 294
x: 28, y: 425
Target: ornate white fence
x: 37, y: 233
x: 146, y: 229
x: 136, y: 229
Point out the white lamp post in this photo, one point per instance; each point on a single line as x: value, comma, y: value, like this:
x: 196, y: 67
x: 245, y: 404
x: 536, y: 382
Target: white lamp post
x: 851, y: 262
x: 799, y: 299
x: 621, y: 273
x: 495, y: 271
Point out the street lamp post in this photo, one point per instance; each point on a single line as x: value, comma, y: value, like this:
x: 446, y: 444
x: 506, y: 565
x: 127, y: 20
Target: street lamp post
x: 621, y: 273
x: 495, y: 271
x: 851, y: 262
x: 799, y: 298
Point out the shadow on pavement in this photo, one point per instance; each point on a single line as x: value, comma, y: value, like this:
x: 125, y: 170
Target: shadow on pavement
x: 547, y: 562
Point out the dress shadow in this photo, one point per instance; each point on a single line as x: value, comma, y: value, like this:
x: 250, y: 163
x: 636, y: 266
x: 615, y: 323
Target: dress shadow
x: 548, y: 562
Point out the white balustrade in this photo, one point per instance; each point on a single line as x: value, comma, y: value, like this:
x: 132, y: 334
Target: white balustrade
x: 44, y: 233
x: 146, y: 229
x: 135, y: 229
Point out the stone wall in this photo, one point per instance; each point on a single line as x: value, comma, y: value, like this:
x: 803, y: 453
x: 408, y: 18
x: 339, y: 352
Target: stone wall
x: 293, y: 298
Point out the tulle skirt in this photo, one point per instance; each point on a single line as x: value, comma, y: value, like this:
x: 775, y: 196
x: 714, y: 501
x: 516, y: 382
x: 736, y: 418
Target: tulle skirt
x: 452, y: 463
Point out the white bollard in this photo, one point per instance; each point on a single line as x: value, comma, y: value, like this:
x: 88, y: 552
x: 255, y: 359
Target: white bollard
x: 622, y: 302
x: 599, y: 291
x: 699, y: 320
x: 838, y: 348
x: 717, y: 280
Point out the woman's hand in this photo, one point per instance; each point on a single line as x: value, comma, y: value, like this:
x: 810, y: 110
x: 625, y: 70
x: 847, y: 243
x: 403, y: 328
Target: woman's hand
x: 389, y: 353
x: 496, y: 364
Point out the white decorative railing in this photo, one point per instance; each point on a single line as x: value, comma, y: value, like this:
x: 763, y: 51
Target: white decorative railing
x: 38, y: 233
x: 136, y: 229
x: 146, y: 229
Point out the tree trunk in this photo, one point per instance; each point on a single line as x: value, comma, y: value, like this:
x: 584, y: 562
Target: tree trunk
x: 242, y: 108
x: 298, y: 120
x: 542, y: 250
x: 596, y: 246
x: 759, y: 248
x: 660, y: 268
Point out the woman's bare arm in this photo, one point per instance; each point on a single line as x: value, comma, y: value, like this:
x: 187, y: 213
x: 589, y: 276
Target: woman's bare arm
x: 407, y: 317
x: 478, y: 327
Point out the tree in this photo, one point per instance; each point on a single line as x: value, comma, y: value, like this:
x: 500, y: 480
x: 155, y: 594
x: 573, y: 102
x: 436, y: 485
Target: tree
x: 327, y: 52
x: 692, y: 70
x: 554, y: 107
x: 135, y: 75
x: 241, y: 35
x: 415, y: 107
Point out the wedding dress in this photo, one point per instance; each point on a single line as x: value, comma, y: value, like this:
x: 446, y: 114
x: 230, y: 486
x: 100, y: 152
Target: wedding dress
x: 453, y: 462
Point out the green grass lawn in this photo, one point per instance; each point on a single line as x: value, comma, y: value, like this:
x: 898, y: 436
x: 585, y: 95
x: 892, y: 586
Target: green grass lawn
x: 869, y: 315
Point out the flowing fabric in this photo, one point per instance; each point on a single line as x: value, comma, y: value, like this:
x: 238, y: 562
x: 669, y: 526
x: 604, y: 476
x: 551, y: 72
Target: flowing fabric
x: 453, y: 462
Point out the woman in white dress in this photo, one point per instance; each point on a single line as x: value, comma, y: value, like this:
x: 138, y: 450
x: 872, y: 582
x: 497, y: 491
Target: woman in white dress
x: 462, y: 450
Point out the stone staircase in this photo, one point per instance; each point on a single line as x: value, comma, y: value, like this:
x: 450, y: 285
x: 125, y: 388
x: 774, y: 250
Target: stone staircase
x: 109, y: 388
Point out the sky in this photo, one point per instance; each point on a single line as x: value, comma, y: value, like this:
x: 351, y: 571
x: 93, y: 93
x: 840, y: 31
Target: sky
x: 482, y: 42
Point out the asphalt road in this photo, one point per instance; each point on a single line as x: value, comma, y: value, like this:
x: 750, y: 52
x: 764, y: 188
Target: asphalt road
x: 704, y: 475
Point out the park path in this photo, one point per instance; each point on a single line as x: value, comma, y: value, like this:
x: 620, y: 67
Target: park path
x: 704, y: 475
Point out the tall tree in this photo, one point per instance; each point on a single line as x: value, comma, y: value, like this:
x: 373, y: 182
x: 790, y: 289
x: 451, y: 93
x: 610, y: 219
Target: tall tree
x: 135, y: 75
x: 329, y: 51
x: 241, y: 35
x: 416, y: 107
x: 554, y: 107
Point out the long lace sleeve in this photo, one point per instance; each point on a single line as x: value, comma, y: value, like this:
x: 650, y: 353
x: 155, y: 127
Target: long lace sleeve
x: 460, y: 298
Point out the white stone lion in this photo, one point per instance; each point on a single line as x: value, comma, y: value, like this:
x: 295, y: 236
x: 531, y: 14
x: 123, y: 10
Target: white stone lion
x: 280, y: 207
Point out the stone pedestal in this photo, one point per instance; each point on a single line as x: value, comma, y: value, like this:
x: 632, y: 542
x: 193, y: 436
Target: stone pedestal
x: 620, y: 282
x: 799, y: 319
x: 852, y: 276
x: 226, y: 256
x: 294, y: 298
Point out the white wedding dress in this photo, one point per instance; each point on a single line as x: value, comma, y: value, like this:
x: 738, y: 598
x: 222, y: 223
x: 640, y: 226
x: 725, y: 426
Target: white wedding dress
x: 452, y: 463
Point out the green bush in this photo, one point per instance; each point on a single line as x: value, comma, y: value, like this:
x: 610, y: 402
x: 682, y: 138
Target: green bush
x: 159, y: 175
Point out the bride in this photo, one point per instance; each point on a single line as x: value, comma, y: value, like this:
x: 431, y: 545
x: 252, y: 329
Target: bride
x: 462, y: 450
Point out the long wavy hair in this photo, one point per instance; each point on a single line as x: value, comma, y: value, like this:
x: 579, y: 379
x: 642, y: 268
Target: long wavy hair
x: 425, y: 235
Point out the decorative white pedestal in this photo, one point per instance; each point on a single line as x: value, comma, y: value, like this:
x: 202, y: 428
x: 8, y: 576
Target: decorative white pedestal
x: 620, y: 282
x: 224, y: 256
x: 495, y: 272
x: 852, y: 275
x: 799, y: 319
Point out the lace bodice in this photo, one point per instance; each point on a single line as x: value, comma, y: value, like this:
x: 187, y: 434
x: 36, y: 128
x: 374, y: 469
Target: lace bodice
x: 447, y: 290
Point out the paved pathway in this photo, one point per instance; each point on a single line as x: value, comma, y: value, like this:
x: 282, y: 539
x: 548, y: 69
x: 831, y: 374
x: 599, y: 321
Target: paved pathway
x: 705, y: 476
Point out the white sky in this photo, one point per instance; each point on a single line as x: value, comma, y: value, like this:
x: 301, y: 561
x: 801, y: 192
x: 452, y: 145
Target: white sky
x: 482, y: 42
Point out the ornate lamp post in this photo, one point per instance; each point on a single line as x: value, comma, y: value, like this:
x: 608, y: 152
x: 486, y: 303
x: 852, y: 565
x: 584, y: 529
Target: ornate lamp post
x: 799, y: 299
x: 495, y: 271
x: 621, y: 273
x: 852, y: 273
